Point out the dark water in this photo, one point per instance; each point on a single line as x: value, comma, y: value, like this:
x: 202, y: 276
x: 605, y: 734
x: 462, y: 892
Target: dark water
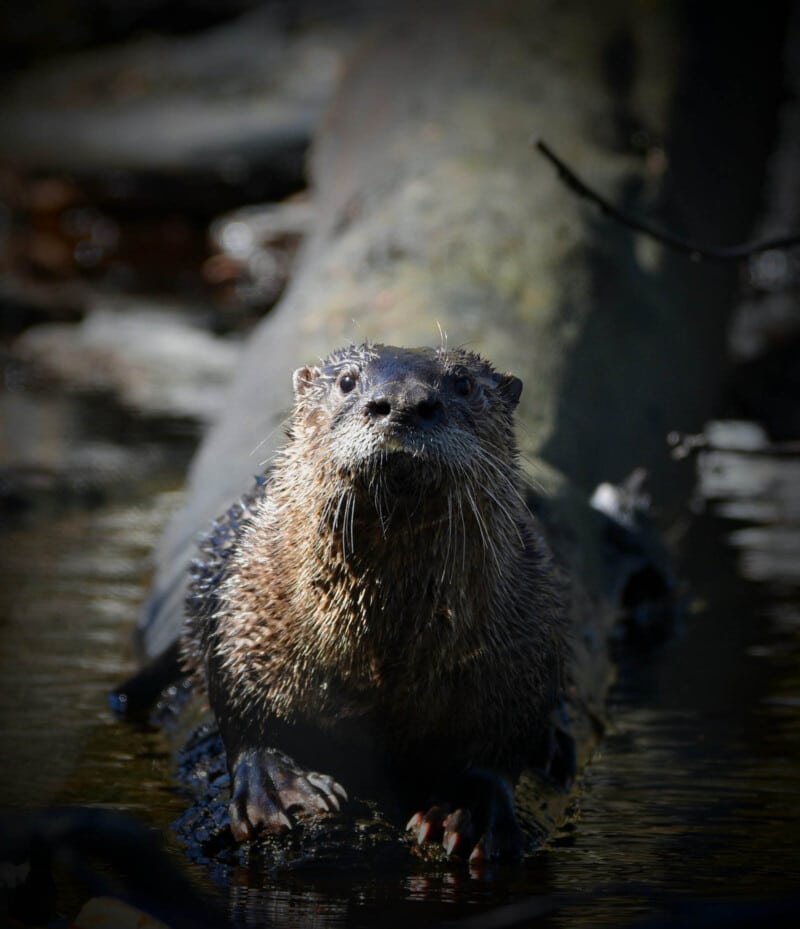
x: 70, y: 590
x: 692, y: 795
x: 695, y: 791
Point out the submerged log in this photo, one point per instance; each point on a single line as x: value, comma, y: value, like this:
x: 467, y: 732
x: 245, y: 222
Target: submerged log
x: 437, y: 221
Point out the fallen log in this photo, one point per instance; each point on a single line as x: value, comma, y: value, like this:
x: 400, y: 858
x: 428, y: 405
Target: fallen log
x: 437, y: 223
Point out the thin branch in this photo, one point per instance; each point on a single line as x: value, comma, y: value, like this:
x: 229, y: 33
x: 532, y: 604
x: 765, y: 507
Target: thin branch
x: 686, y: 246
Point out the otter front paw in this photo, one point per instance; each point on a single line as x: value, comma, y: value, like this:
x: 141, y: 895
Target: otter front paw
x: 484, y: 828
x: 268, y: 786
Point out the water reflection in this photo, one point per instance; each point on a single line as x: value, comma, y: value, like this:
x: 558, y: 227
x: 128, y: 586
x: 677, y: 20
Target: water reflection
x: 71, y: 588
x: 748, y: 479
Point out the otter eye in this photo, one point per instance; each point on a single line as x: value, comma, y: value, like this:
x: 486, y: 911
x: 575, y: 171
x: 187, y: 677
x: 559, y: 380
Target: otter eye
x: 463, y: 385
x: 347, y: 382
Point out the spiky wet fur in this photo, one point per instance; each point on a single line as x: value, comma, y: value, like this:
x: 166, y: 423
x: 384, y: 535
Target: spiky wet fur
x: 409, y: 589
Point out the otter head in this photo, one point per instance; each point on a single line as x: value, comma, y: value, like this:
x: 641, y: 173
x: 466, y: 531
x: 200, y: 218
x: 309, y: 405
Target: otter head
x: 405, y: 420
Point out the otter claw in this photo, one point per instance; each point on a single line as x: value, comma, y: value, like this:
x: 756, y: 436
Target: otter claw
x: 458, y: 831
x: 420, y: 827
x: 253, y: 808
x: 425, y: 825
x: 423, y: 832
x: 482, y: 830
x: 267, y: 786
x: 332, y: 791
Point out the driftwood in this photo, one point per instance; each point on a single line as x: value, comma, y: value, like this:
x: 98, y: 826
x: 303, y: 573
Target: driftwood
x: 437, y: 221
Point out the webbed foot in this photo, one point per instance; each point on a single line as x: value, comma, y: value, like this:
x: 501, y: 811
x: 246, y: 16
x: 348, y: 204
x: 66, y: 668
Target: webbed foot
x: 268, y: 786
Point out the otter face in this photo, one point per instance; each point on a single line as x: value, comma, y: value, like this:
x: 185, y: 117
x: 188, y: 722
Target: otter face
x: 383, y: 411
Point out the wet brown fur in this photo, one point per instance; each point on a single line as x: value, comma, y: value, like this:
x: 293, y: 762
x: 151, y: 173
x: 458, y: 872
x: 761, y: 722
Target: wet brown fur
x: 390, y: 573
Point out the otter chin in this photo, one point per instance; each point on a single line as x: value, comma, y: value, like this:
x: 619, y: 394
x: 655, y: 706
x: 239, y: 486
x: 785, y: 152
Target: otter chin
x: 385, y: 614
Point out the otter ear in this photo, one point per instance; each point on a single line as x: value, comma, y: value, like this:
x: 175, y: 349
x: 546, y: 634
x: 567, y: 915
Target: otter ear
x: 509, y: 387
x: 302, y: 378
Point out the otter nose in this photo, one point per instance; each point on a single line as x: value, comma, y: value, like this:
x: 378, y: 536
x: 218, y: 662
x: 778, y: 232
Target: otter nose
x: 414, y: 404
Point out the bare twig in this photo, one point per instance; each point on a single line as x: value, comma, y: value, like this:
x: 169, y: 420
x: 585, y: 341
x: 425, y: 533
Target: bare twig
x: 687, y: 247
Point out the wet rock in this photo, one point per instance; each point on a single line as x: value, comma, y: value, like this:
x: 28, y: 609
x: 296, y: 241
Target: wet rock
x: 153, y: 358
x: 59, y: 451
x: 93, y: 409
x: 88, y: 476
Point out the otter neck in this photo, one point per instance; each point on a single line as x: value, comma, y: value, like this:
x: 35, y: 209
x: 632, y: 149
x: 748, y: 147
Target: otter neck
x: 402, y: 569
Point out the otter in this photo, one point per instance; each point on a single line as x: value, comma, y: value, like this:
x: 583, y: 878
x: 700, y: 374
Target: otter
x: 382, y: 608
